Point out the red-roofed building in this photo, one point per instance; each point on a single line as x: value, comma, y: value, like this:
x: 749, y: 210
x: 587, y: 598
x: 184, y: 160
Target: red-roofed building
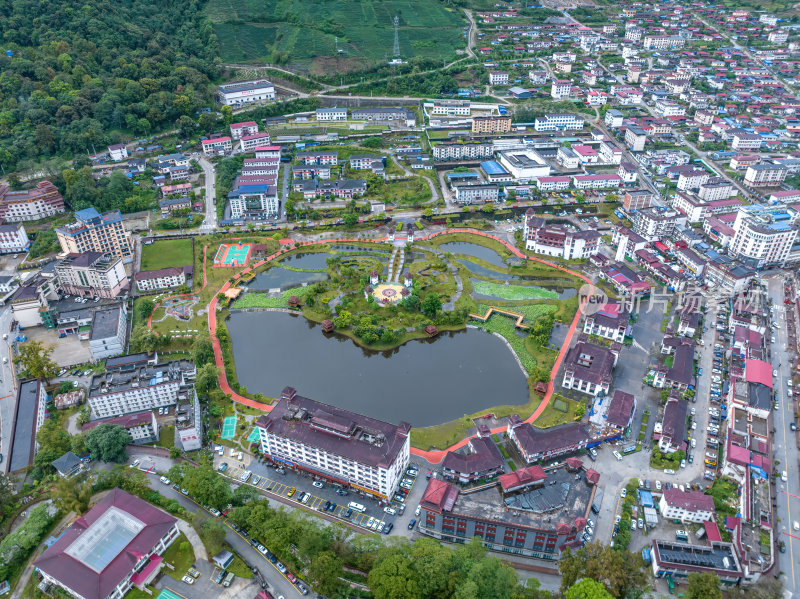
x: 439, y: 495
x: 114, y: 546
x: 758, y: 371
x: 712, y: 531
x: 522, y: 479
x: 687, y: 506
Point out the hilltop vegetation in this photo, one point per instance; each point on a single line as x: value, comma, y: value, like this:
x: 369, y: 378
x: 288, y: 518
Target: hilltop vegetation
x: 80, y: 73
x: 304, y: 33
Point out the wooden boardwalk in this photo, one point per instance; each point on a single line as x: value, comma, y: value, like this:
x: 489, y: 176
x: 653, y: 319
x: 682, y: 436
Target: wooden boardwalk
x: 519, y: 317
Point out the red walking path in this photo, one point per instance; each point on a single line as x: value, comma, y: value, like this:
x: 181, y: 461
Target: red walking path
x: 432, y: 456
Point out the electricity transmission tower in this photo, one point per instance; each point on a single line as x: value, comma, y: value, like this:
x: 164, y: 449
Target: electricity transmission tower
x: 396, y: 36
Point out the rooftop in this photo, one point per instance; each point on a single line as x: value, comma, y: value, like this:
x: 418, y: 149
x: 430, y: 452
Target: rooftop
x: 360, y: 438
x: 122, y: 379
x: 106, y: 323
x: 719, y: 558
x: 23, y: 427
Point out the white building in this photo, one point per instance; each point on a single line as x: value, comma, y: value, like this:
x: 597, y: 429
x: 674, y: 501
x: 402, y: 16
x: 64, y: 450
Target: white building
x: 614, y: 118
x: 109, y: 327
x: 687, y: 506
x: 163, y: 278
x: 524, y: 165
x: 246, y: 92
x: 596, y: 181
x: 136, y: 383
x: 30, y: 204
x: 270, y: 152
x: 568, y: 158
x: 560, y: 88
x: 238, y: 130
x: 765, y: 175
x: 92, y: 274
x: 498, y: 78
x: 476, y: 194
x: 692, y: 179
x: 558, y: 122
x: 746, y: 141
x: 118, y: 152
x: 668, y: 108
x: 655, y: 223
x: 448, y: 151
x: 331, y: 114
x: 218, y: 145
x: 142, y: 426
x: 764, y: 236
x: 362, y: 453
x: 557, y: 241
x: 556, y: 183
x: 451, y: 108
x: 259, y: 201
x: 13, y: 239
x: 255, y: 140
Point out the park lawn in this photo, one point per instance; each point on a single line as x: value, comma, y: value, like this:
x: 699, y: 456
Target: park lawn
x: 553, y: 417
x: 263, y: 300
x: 238, y: 567
x: 513, y: 291
x: 182, y: 559
x: 166, y: 437
x: 166, y: 253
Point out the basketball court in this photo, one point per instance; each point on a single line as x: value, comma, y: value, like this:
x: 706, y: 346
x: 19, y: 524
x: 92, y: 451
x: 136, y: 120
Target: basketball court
x: 230, y: 254
x: 228, y: 427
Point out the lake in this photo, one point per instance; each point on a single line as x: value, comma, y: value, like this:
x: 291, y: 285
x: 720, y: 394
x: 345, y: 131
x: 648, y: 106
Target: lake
x: 424, y: 382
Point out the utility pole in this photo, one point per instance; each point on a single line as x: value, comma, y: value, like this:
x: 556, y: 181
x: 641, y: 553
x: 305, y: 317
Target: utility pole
x: 396, y: 36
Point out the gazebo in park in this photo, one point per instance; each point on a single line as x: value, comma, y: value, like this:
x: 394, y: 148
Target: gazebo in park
x: 574, y: 463
x: 293, y: 301
x: 431, y: 331
x: 327, y: 326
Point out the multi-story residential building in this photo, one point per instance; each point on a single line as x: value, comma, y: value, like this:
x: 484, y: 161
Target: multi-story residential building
x: 257, y: 201
x: 686, y: 506
x: 765, y: 175
x: 716, y: 188
x: 115, y: 546
x: 668, y: 108
x: 635, y: 138
x: 610, y: 321
x: 13, y: 239
x: 552, y: 240
x: 95, y: 232
x: 366, y: 162
x: 108, y: 333
x: 180, y: 190
x: 764, y: 236
x: 268, y: 152
x: 326, y: 158
x: 662, y: 42
x: 596, y: 181
x: 142, y: 426
x: 498, y: 78
x: 218, y: 145
x: 740, y: 162
x: 135, y: 383
x: 350, y: 449
x: 476, y: 194
x: 27, y: 419
x: 656, y: 223
x: 515, y: 516
x: 331, y: 114
x: 238, y: 130
x: 627, y: 243
x: 743, y: 141
x: 30, y: 204
x: 778, y: 37
x: 692, y: 179
x: 118, y: 152
x: 568, y: 158
x: 451, y: 108
x: 171, y: 205
x: 246, y: 92
x: 254, y: 140
x: 537, y: 77
x: 491, y: 124
x: 614, y: 118
x: 92, y: 274
x: 163, y: 278
x: 478, y: 460
x: 453, y: 151
x: 524, y: 165
x: 588, y: 367
x: 560, y: 89
x: 558, y: 122
x: 637, y: 199
x: 311, y: 172
x: 673, y: 426
x: 553, y: 183
x: 384, y: 114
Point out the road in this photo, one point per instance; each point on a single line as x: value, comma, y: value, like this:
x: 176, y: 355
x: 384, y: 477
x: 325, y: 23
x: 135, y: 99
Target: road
x: 279, y: 585
x: 210, y: 221
x: 785, y: 446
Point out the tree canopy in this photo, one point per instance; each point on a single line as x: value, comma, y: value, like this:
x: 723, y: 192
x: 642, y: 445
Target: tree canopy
x: 703, y: 585
x: 34, y: 357
x: 622, y: 573
x: 107, y: 442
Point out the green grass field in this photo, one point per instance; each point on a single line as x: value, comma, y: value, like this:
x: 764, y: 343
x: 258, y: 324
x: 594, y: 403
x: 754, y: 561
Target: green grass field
x: 171, y: 252
x: 304, y: 31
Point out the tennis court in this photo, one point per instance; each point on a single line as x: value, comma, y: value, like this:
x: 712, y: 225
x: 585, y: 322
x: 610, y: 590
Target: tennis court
x: 253, y: 437
x: 228, y: 427
x: 232, y: 254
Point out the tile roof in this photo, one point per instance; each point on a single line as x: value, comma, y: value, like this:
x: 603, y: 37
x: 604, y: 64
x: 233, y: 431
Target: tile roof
x: 484, y: 456
x: 521, y: 478
x: 620, y: 409
x: 693, y: 501
x: 440, y: 494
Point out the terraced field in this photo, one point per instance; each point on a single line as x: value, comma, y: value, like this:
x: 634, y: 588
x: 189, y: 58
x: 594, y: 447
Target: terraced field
x: 305, y: 32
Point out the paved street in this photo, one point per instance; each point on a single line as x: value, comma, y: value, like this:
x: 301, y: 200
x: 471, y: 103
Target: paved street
x: 210, y: 222
x: 785, y: 445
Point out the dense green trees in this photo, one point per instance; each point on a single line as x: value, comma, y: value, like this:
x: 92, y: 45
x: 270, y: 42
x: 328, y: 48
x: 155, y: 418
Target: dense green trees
x: 80, y: 73
x: 16, y: 547
x: 106, y: 442
x: 703, y: 585
x: 34, y: 358
x: 622, y: 573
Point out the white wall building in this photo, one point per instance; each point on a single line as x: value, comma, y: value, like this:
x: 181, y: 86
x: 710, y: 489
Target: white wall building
x: 92, y: 274
x: 246, y: 92
x: 347, y: 448
x: 687, y: 506
x: 764, y: 235
x: 163, y: 278
x: 331, y: 114
x: 118, y: 152
x: 558, y: 122
x: 13, y: 239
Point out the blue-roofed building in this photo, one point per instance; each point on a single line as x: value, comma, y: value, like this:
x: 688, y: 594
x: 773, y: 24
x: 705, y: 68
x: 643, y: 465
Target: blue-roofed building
x: 95, y: 232
x: 471, y: 176
x: 495, y: 172
x: 646, y: 498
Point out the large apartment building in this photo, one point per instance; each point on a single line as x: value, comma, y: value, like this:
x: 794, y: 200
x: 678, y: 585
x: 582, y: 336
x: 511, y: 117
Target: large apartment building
x: 95, y: 232
x: 30, y: 204
x: 452, y: 151
x: 346, y: 448
x: 765, y: 175
x: 557, y: 241
x: 491, y: 124
x: 764, y: 236
x: 558, y: 122
x: 13, y: 239
x: 137, y: 382
x: 92, y: 274
x: 254, y: 201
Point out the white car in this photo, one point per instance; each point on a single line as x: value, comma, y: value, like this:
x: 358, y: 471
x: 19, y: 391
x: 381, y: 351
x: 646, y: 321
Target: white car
x: 633, y: 524
x: 784, y: 478
x: 134, y: 463
x: 774, y: 373
x: 694, y: 444
x: 796, y: 525
x: 417, y: 511
x: 317, y: 484
x: 390, y: 510
x: 165, y: 480
x: 658, y: 482
x: 623, y: 493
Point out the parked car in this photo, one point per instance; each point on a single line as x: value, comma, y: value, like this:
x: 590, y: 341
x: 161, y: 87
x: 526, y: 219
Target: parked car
x: 412, y: 523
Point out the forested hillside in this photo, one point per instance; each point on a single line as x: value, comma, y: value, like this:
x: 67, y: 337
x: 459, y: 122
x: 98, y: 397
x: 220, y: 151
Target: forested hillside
x: 81, y: 71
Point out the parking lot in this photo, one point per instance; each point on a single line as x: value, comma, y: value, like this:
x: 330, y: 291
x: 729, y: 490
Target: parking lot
x: 325, y: 497
x: 67, y: 351
x: 204, y: 585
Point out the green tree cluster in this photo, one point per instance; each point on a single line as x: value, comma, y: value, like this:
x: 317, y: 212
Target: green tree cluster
x: 17, y: 546
x: 622, y: 574
x: 106, y: 442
